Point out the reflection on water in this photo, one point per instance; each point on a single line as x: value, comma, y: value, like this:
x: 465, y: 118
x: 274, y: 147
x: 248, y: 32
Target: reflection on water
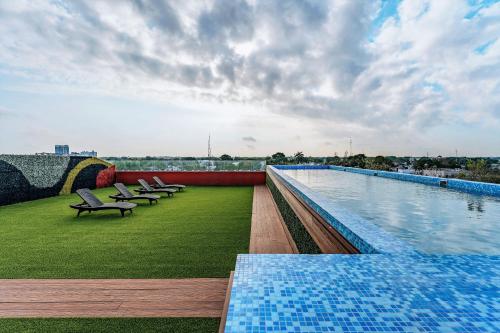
x: 475, y: 204
x: 433, y: 219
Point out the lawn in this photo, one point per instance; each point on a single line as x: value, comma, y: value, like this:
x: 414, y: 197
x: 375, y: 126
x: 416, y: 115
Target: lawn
x: 198, y: 233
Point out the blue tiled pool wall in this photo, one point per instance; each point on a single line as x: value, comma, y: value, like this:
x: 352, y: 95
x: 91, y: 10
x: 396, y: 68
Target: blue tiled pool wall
x: 302, y: 239
x: 359, y: 293
x: 362, y: 234
x: 451, y: 183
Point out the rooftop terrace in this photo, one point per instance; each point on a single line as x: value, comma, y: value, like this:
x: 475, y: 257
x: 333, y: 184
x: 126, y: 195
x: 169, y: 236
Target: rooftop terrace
x: 300, y: 264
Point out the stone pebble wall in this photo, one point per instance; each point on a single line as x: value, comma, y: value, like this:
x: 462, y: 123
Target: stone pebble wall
x: 31, y: 177
x: 304, y: 241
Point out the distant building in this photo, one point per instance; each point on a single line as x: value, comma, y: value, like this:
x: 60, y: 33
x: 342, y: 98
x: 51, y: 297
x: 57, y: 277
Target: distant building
x: 89, y: 153
x: 406, y: 170
x: 85, y: 153
x: 62, y: 150
x: 441, y: 172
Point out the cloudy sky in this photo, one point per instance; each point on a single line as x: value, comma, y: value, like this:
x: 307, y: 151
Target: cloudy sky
x: 145, y: 77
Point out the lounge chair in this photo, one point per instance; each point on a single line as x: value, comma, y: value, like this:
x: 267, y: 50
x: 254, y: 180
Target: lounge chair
x: 161, y: 184
x: 146, y: 188
x: 125, y: 195
x: 92, y: 203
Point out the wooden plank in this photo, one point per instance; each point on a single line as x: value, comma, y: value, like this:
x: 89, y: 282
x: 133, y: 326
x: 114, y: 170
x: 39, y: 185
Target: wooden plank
x: 112, y: 298
x: 222, y: 325
x: 268, y: 232
x: 323, y: 234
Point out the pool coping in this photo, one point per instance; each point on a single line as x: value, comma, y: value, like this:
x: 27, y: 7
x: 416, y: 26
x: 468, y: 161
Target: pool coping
x: 461, y: 185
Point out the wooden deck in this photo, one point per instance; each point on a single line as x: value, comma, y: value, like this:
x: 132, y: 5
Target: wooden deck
x: 269, y: 233
x: 113, y: 298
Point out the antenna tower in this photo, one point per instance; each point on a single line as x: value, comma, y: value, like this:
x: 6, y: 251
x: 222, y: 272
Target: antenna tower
x: 209, y: 147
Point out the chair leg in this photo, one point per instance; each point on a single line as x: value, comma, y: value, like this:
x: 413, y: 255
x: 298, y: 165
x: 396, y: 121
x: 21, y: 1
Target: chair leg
x: 79, y: 211
x: 122, y: 211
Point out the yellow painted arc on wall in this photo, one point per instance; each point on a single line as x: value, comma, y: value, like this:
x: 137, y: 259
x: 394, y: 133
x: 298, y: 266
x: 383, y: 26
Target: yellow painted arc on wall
x: 68, y: 184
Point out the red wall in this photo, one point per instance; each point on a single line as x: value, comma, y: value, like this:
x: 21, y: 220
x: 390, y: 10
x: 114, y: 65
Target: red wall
x: 194, y: 177
x: 106, y: 177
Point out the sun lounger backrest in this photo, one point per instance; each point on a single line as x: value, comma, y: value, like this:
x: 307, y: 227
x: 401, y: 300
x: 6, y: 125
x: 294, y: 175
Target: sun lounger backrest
x: 123, y: 190
x: 159, y: 181
x: 145, y: 185
x: 89, y: 197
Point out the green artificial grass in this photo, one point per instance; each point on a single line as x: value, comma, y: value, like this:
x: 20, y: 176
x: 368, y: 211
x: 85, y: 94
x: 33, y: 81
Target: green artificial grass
x: 198, y: 233
x: 110, y: 325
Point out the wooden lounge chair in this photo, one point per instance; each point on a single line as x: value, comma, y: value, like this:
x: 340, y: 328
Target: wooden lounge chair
x: 125, y: 195
x: 161, y: 184
x: 92, y: 203
x: 146, y: 188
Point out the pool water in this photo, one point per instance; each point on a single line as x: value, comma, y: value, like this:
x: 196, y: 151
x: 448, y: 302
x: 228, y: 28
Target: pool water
x: 432, y: 219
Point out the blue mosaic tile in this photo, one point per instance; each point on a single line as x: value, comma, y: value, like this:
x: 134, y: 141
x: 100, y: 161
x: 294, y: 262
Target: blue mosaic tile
x: 365, y: 293
x: 474, y: 187
x: 362, y: 234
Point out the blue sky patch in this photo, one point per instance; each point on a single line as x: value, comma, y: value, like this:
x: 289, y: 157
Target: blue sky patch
x: 388, y: 9
x: 477, y: 5
x: 483, y: 48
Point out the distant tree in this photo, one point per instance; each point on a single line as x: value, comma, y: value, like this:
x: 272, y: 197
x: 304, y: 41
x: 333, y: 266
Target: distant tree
x: 477, y: 168
x: 380, y: 163
x: 356, y: 161
x: 423, y: 163
x: 226, y: 157
x: 299, y: 157
x: 335, y: 160
x: 278, y: 157
x: 450, y: 162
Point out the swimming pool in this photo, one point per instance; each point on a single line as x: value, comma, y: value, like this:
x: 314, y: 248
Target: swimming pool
x: 432, y: 219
